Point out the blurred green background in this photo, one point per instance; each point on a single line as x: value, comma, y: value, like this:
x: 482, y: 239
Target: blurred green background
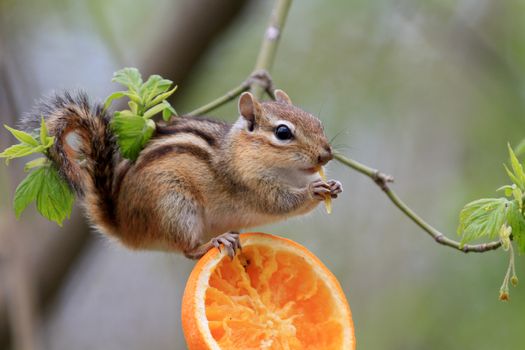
x: 429, y: 92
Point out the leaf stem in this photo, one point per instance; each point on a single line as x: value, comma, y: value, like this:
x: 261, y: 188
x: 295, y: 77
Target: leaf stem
x: 504, y: 289
x: 382, y: 181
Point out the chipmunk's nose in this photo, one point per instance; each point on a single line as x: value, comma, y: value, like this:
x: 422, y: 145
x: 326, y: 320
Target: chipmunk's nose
x: 325, y: 156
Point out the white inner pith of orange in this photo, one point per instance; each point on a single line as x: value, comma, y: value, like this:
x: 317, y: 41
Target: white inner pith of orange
x: 272, y: 299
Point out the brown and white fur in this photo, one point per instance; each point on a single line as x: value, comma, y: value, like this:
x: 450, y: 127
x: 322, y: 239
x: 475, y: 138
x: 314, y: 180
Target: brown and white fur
x: 198, y: 181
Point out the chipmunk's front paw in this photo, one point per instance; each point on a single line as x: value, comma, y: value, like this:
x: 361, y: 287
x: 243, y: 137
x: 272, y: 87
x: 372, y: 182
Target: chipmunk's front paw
x: 230, y: 241
x: 319, y: 190
x: 335, y: 188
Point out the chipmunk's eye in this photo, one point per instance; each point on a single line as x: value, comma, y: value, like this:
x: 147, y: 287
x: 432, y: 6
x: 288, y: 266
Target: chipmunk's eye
x: 282, y: 132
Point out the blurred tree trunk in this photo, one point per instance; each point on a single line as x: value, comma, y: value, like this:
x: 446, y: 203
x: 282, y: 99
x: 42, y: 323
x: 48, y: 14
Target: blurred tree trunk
x: 196, y: 26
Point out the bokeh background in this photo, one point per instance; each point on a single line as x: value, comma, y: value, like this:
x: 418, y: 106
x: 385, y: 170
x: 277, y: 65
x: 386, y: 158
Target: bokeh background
x: 428, y: 91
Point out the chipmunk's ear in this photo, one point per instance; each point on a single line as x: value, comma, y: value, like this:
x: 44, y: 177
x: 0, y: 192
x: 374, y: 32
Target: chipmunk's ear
x: 249, y: 108
x: 281, y: 96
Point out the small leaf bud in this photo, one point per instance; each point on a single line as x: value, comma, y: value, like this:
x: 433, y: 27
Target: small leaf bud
x: 503, y: 296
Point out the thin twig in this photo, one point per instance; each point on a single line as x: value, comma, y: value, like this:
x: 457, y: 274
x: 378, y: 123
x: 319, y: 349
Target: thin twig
x: 382, y: 181
x: 270, y: 42
x: 259, y: 81
x: 227, y: 97
x: 258, y: 78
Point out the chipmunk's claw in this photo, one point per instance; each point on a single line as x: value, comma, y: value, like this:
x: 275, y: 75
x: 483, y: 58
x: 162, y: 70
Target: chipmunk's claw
x: 335, y: 188
x: 230, y: 241
x: 319, y: 189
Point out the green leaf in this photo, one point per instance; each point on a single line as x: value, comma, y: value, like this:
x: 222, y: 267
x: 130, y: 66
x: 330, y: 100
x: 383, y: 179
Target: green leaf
x: 516, y: 167
x: 508, y: 189
x: 516, y: 220
x: 154, y: 86
x: 50, y: 140
x: 163, y: 107
x: 55, y: 199
x: 511, y: 175
x: 133, y: 96
x: 20, y: 150
x: 36, y: 163
x: 154, y: 110
x: 168, y: 111
x: 133, y: 127
x: 482, y: 218
x: 132, y: 132
x: 170, y: 108
x: 518, y: 195
x: 134, y: 107
x: 129, y: 77
x: 27, y: 190
x: 150, y: 129
x: 163, y: 96
x: 23, y: 137
x: 166, y: 114
x: 112, y: 97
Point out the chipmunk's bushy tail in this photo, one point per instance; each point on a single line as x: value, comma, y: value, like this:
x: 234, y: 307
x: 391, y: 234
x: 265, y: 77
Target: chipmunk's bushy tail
x: 85, y: 150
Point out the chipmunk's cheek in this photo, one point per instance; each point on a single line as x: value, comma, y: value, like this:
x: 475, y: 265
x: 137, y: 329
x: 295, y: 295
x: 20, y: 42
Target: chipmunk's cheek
x: 295, y: 177
x: 305, y: 162
x: 308, y: 179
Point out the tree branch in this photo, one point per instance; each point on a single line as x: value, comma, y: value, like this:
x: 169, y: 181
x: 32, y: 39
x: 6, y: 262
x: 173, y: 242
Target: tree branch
x: 271, y: 40
x: 260, y: 80
x: 227, y: 97
x: 382, y: 181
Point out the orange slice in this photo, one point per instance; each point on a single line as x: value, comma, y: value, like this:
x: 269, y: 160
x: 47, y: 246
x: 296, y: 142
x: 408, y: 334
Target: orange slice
x: 275, y: 294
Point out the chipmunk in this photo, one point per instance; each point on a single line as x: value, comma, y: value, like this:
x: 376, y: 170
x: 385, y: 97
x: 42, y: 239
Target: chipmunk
x: 198, y: 181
